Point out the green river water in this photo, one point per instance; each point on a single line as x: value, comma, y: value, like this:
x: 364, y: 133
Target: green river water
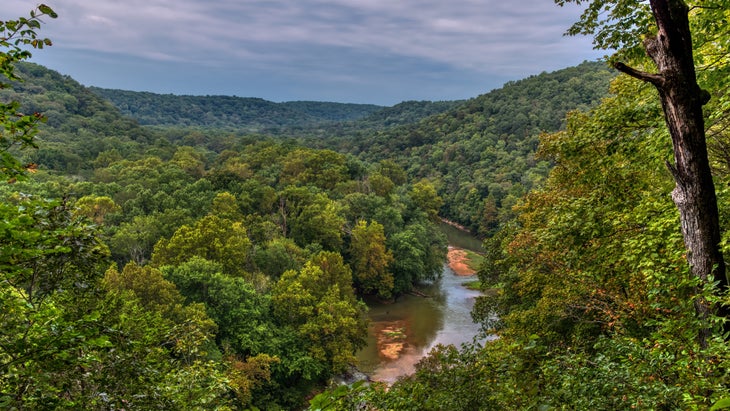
x: 403, y: 332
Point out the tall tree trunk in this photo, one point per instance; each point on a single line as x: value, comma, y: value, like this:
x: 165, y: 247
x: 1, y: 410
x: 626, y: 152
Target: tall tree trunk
x: 682, y: 101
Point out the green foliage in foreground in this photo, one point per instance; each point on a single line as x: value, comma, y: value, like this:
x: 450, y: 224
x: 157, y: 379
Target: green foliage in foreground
x: 18, y: 129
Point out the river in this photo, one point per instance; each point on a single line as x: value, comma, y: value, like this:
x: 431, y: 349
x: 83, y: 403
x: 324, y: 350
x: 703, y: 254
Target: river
x: 460, y: 238
x: 403, y: 332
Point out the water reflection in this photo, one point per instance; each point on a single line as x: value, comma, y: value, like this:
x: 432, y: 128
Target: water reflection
x: 403, y: 332
x: 460, y: 238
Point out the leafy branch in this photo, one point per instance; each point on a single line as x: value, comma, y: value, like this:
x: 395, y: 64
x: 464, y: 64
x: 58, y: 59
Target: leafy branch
x: 18, y: 129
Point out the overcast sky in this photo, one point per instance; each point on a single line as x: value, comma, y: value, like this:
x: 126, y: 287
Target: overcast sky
x: 360, y: 51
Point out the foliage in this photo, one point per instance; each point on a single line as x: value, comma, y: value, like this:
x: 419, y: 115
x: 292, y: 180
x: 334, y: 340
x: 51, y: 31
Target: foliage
x: 370, y: 260
x: 168, y: 336
x: 68, y: 342
x: 479, y: 154
x: 49, y: 263
x: 18, y: 129
x: 419, y: 253
x: 95, y: 208
x: 245, y: 376
x: 234, y: 305
x: 212, y: 238
x: 319, y: 302
x: 46, y: 250
x: 228, y: 111
x: 238, y: 250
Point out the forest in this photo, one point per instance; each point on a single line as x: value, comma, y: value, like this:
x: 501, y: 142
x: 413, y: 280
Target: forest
x: 250, y: 114
x: 182, y: 252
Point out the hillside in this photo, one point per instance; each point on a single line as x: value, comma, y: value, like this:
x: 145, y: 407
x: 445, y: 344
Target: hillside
x: 407, y: 112
x: 252, y: 114
x: 293, y: 118
x: 80, y: 125
x: 481, y: 153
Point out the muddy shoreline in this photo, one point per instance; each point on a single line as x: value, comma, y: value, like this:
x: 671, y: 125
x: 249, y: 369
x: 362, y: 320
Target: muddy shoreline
x: 457, y: 260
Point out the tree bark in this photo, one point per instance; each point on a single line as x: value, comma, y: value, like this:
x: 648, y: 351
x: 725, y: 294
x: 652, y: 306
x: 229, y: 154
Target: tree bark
x: 682, y: 101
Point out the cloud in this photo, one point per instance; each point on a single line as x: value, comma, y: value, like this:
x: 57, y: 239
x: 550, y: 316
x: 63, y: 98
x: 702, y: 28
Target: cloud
x: 463, y: 33
x: 322, y: 38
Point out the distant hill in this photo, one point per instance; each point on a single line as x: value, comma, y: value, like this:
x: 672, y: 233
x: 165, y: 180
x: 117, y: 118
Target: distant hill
x: 407, y: 112
x: 253, y: 114
x: 481, y: 152
x: 80, y: 124
x: 332, y: 112
x: 259, y: 115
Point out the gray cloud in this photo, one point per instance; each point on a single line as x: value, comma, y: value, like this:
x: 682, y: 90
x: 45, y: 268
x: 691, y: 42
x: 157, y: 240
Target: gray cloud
x: 477, y: 37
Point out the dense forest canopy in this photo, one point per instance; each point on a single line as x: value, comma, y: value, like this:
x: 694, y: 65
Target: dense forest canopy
x: 250, y: 114
x: 591, y: 292
x: 138, y: 262
x: 479, y: 152
x: 214, y: 252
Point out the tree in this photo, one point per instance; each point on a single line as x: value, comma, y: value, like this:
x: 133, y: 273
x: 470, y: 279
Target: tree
x: 278, y: 256
x: 425, y: 197
x: 245, y: 376
x: 419, y: 253
x: 95, y: 208
x: 371, y: 259
x: 49, y: 292
x: 213, y: 238
x: 319, y: 222
x: 189, y: 160
x: 159, y: 350
x: 669, y: 45
x: 321, y: 168
x: 18, y: 129
x: 380, y: 185
x: 319, y: 302
x: 226, y: 206
x: 239, y: 311
x: 45, y: 250
x: 393, y: 171
x: 133, y: 240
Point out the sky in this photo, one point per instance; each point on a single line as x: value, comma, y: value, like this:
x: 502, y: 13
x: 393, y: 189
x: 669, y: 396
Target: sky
x: 355, y: 51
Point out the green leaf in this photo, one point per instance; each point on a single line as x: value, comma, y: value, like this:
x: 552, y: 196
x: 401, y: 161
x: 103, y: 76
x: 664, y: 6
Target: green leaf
x: 101, y: 341
x: 48, y: 11
x: 721, y: 405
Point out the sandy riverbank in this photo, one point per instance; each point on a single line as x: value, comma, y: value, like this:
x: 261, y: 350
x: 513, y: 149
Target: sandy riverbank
x: 457, y: 259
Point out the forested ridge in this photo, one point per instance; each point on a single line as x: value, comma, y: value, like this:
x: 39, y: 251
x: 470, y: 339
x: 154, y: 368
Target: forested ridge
x: 214, y: 267
x: 478, y: 152
x: 245, y: 113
